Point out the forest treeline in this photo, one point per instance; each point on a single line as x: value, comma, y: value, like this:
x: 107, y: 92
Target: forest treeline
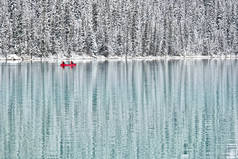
x: 118, y: 27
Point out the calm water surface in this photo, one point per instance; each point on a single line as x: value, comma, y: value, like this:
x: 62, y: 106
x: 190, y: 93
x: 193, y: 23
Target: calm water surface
x: 140, y: 109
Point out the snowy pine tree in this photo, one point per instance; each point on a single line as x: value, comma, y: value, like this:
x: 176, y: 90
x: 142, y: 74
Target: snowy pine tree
x: 130, y: 28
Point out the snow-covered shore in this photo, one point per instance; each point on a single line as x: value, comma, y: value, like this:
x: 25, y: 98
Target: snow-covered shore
x: 14, y: 57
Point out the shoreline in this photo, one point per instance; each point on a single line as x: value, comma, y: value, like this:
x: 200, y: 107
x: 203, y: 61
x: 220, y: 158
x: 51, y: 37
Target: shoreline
x: 15, y: 58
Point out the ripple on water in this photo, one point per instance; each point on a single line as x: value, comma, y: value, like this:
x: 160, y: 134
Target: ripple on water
x: 155, y: 109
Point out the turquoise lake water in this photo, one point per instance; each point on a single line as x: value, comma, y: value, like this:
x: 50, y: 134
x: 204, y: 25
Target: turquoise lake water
x: 168, y: 109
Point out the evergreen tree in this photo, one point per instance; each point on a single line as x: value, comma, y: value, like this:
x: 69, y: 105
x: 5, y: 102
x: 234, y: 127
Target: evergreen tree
x: 130, y: 28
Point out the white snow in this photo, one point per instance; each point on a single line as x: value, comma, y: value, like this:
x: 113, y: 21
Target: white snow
x: 75, y: 57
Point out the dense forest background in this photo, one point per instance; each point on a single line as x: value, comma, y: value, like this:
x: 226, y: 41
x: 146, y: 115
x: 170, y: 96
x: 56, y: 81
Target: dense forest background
x: 118, y: 27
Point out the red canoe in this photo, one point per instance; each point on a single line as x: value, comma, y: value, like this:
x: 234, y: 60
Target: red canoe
x: 70, y: 65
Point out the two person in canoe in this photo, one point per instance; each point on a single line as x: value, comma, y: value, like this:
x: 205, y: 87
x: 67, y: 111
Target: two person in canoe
x: 71, y: 64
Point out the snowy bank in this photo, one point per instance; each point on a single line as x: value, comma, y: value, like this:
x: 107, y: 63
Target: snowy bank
x: 14, y: 57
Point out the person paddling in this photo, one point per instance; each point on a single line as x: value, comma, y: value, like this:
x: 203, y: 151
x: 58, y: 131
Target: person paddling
x: 71, y: 64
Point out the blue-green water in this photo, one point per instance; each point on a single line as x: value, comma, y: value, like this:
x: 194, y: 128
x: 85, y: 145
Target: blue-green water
x: 139, y: 109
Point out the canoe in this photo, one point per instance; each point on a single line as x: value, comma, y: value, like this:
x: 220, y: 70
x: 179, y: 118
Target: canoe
x: 65, y: 65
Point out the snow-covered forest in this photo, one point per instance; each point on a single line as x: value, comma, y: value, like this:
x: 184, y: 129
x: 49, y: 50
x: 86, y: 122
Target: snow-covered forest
x: 118, y: 27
